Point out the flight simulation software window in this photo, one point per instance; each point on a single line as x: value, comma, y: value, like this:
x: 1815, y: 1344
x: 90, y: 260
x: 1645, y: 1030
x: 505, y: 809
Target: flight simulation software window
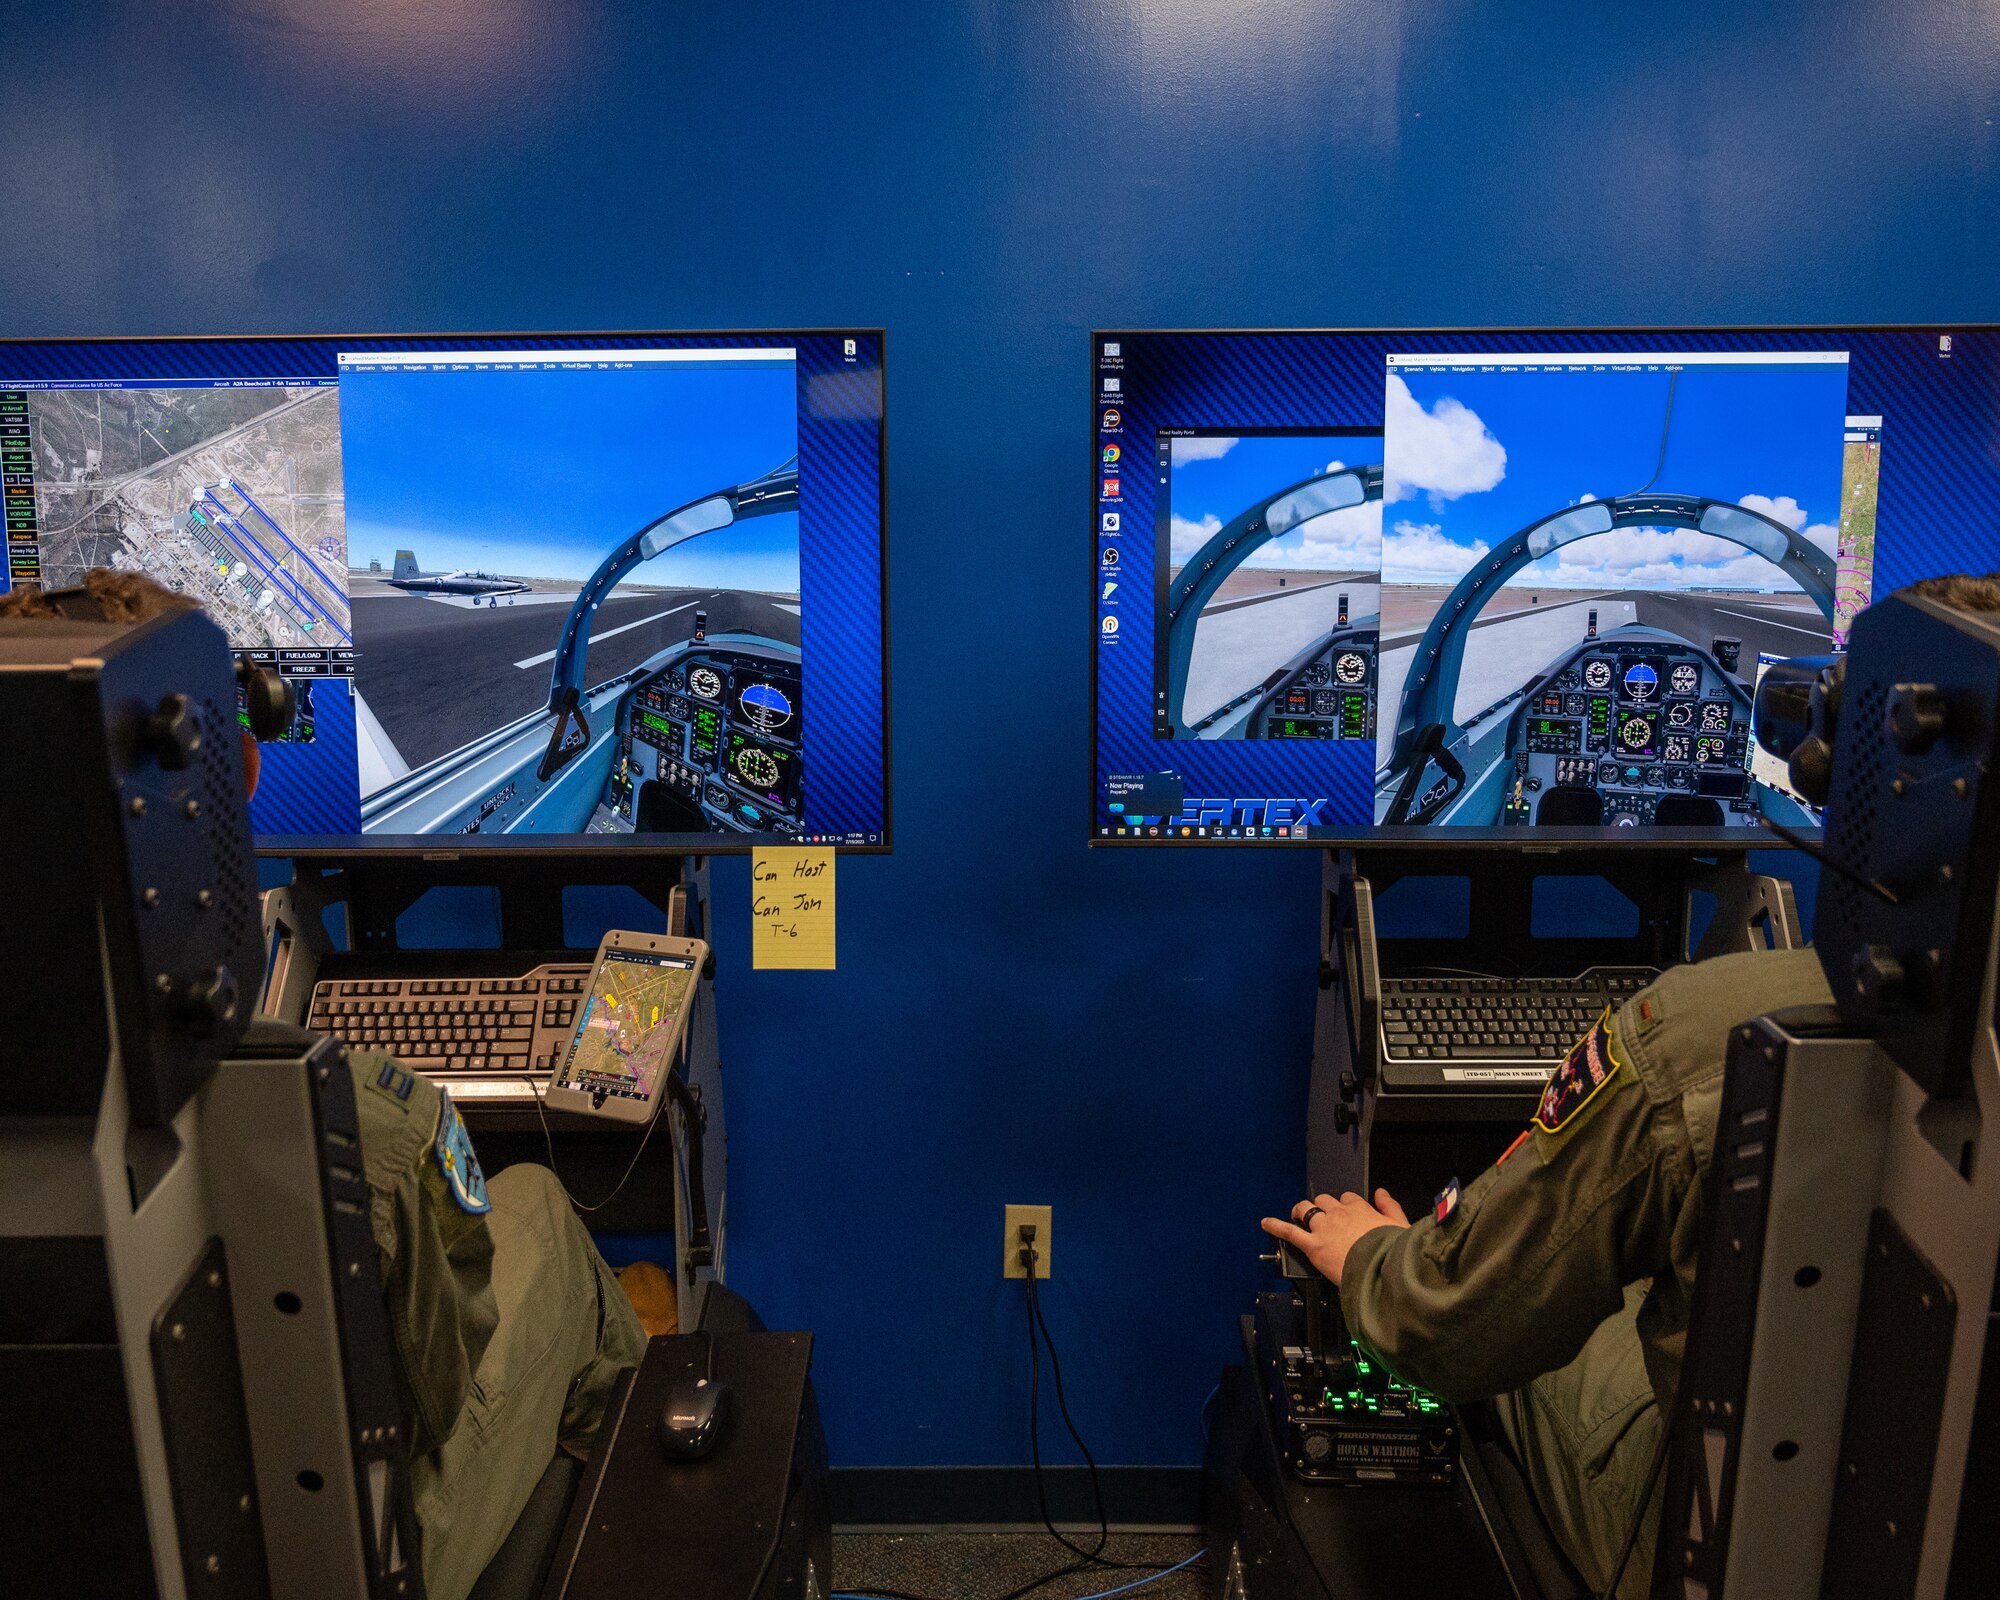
x: 545, y: 591
x: 1378, y: 585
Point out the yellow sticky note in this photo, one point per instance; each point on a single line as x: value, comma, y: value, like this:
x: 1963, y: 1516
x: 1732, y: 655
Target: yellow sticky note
x: 791, y: 909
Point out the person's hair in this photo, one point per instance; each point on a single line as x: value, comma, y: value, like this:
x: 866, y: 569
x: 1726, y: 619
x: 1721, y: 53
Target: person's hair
x: 120, y: 596
x: 1961, y: 591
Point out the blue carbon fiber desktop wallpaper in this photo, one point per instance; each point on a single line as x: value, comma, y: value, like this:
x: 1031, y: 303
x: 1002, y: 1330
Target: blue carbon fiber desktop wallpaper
x: 1017, y: 1018
x: 1935, y: 391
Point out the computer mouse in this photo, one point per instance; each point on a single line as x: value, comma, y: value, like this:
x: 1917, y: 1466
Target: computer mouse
x: 693, y: 1418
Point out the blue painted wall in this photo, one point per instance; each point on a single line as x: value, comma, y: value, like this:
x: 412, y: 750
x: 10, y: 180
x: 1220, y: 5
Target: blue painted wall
x: 1015, y: 1019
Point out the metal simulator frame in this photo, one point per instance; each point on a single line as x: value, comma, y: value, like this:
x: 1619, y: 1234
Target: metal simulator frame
x: 1836, y: 1433
x: 196, y: 1362
x: 197, y: 1366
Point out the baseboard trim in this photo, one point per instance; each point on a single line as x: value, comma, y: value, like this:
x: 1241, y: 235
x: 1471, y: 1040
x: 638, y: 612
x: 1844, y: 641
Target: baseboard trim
x: 903, y: 1496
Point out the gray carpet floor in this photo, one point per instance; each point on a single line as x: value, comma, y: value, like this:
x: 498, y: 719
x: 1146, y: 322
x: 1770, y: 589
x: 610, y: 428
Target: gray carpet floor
x: 960, y: 1565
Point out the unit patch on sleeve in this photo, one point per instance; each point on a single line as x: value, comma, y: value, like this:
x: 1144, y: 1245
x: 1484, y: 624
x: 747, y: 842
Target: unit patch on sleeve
x: 1590, y: 1065
x: 462, y: 1175
x: 1446, y: 1203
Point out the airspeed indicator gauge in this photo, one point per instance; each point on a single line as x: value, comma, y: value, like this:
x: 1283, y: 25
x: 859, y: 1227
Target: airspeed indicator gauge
x: 706, y: 682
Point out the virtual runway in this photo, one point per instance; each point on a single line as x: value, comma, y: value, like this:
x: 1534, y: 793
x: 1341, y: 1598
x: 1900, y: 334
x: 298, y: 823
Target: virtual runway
x: 438, y: 673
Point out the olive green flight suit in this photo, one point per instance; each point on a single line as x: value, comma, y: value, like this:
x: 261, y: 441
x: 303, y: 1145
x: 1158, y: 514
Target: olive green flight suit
x: 509, y: 1328
x: 1561, y: 1279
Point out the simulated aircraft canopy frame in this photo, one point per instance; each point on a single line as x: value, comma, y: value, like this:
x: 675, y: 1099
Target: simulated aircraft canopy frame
x: 1434, y: 673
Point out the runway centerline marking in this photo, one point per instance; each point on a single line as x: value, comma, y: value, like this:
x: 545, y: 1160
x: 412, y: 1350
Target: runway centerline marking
x: 547, y: 656
x: 1819, y: 633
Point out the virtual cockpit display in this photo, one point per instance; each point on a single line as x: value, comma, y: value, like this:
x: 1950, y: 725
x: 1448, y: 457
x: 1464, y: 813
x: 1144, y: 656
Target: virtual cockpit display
x: 537, y: 591
x: 1491, y: 581
x: 1514, y: 582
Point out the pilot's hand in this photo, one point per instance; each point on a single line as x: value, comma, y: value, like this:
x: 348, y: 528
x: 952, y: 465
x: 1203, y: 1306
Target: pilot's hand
x: 1325, y: 1229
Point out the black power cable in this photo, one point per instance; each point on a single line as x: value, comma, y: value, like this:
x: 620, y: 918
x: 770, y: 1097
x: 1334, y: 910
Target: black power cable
x: 539, y: 1089
x: 1038, y: 1335
x: 1666, y: 423
x: 1038, y: 1326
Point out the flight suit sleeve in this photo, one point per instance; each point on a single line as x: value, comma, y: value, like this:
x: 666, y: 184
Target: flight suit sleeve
x: 428, y: 1214
x: 1509, y: 1278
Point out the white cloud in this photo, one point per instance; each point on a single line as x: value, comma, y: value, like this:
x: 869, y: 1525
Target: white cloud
x: 1187, y: 450
x: 1823, y: 534
x: 1444, y: 452
x: 1657, y: 558
x: 1333, y: 466
x: 1348, y: 540
x: 1783, y: 509
x: 1186, y: 537
x: 1418, y: 552
x: 1632, y: 548
x: 1583, y: 499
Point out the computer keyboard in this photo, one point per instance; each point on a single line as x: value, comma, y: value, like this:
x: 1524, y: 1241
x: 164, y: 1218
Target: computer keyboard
x: 481, y: 1035
x: 1483, y: 1030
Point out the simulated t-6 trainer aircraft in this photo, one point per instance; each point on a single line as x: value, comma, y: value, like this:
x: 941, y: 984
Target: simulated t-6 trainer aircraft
x: 1637, y: 726
x: 703, y: 736
x: 410, y: 580
x: 1328, y: 684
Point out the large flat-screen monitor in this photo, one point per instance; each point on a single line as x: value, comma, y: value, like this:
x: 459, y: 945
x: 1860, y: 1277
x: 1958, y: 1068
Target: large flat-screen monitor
x: 1501, y: 585
x: 533, y: 592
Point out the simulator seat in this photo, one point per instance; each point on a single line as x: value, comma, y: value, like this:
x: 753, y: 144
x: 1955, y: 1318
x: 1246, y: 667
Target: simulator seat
x: 521, y: 1565
x: 196, y: 1360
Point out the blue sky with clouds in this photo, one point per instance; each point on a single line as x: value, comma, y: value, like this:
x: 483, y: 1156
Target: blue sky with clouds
x: 1472, y: 457
x: 539, y: 474
x: 1213, y: 479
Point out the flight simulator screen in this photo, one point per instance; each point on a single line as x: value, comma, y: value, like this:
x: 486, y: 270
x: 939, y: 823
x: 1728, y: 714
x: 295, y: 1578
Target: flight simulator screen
x: 1369, y: 585
x: 537, y: 591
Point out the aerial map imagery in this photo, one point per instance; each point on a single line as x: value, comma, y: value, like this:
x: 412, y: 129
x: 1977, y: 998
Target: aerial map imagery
x: 231, y: 495
x: 620, y: 1041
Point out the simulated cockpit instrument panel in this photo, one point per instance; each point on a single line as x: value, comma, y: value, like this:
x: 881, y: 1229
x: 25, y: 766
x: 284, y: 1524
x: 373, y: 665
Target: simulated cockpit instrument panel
x: 1651, y: 734
x: 1355, y: 586
x: 536, y: 592
x: 717, y: 733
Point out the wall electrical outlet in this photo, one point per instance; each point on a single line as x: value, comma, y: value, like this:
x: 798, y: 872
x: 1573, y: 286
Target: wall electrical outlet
x: 1010, y: 1257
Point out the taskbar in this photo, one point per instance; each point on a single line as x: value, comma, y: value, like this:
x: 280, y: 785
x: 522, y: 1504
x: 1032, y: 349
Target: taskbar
x: 1194, y: 831
x: 1704, y: 839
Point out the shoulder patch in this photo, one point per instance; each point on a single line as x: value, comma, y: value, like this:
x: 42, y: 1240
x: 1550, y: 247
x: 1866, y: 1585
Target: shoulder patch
x: 1446, y: 1203
x: 1590, y: 1065
x: 462, y: 1174
x: 393, y: 1083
